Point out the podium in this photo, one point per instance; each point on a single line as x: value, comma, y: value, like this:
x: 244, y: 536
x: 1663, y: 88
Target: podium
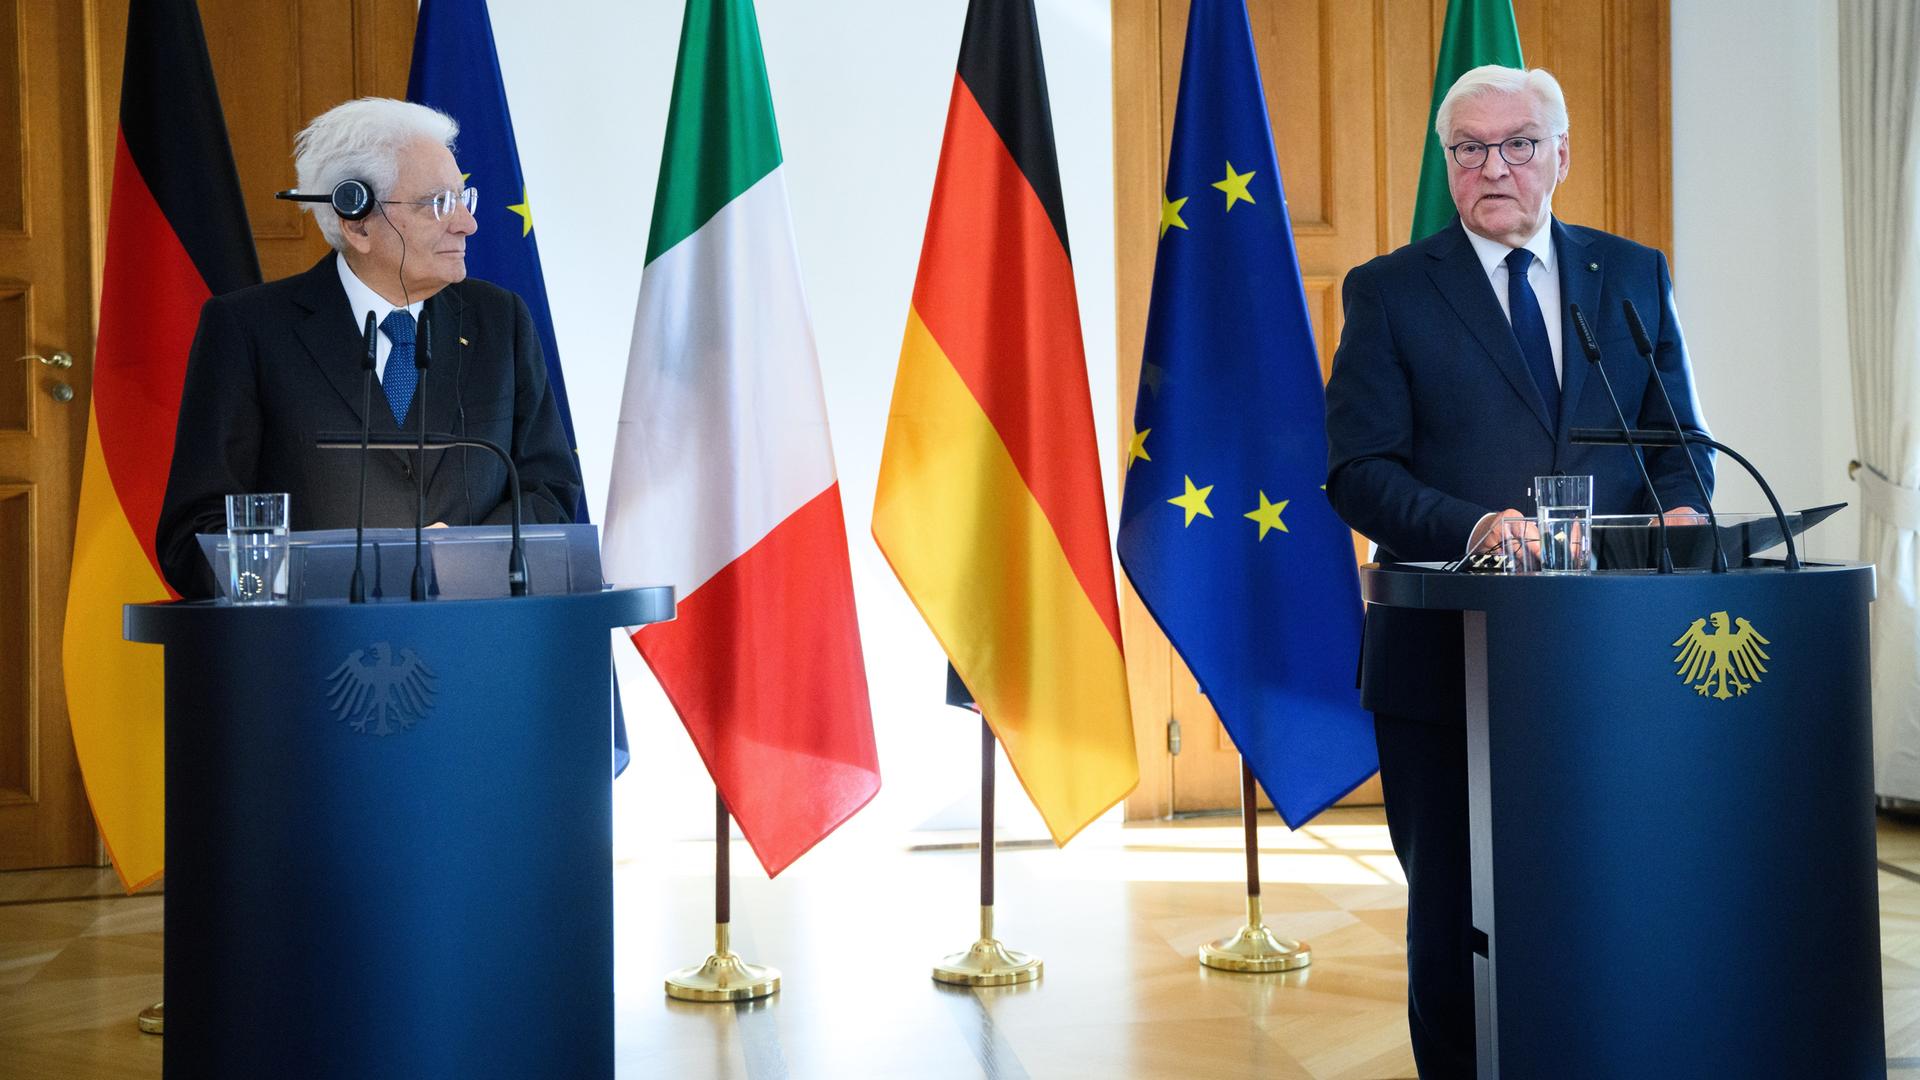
x: 389, y: 835
x: 1672, y: 876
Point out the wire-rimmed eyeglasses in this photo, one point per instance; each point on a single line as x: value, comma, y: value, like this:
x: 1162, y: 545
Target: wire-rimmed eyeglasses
x: 1517, y: 150
x: 442, y: 202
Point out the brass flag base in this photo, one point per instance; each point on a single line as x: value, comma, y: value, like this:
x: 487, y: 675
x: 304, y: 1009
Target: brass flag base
x: 988, y: 963
x: 153, y: 1019
x: 1255, y: 948
x: 724, y: 977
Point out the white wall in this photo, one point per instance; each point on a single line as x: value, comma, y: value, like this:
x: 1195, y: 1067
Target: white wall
x: 1758, y: 247
x: 861, y: 90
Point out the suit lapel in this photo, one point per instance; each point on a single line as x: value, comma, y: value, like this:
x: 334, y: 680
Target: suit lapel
x: 1580, y: 275
x: 332, y: 345
x: 1463, y: 281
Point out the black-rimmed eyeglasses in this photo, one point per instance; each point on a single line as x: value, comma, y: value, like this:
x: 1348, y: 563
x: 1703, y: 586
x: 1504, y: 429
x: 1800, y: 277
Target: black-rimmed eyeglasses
x: 1518, y: 150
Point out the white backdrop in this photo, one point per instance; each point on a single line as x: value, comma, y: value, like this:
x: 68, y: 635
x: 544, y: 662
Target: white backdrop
x: 861, y: 89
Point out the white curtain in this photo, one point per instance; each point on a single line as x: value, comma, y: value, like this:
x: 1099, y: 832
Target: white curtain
x: 1880, y: 151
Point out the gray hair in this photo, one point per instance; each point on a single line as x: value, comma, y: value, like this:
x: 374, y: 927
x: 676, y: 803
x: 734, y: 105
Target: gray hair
x: 1497, y: 79
x: 362, y: 139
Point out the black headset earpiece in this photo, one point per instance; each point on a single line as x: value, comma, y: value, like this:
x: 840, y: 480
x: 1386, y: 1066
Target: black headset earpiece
x: 351, y: 198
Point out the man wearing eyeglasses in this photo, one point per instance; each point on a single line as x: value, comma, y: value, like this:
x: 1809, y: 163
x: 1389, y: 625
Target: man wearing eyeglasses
x: 274, y: 365
x: 1457, y: 380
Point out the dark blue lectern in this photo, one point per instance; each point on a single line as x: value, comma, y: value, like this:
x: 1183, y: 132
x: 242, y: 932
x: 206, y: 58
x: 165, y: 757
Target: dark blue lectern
x: 1671, y: 805
x: 389, y: 833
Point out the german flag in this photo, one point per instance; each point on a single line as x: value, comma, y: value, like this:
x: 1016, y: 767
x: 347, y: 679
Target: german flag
x: 990, y: 507
x: 176, y: 235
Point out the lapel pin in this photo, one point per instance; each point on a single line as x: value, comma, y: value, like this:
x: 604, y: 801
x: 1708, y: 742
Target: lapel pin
x: 1591, y: 266
x: 464, y: 341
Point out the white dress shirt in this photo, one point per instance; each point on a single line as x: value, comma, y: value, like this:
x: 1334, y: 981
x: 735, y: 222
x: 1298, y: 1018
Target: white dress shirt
x: 362, y: 299
x: 1543, y: 274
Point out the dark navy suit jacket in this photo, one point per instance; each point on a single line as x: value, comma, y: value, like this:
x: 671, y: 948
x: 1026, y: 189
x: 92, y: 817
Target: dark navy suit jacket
x: 274, y: 365
x: 1433, y: 420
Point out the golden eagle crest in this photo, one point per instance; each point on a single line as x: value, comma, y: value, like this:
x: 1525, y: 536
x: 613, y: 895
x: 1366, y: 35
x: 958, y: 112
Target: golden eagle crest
x: 379, y: 695
x: 1713, y: 662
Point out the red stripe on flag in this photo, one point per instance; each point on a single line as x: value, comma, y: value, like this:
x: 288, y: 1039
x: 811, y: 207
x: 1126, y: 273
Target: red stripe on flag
x: 995, y: 289
x: 763, y: 664
x: 150, y: 300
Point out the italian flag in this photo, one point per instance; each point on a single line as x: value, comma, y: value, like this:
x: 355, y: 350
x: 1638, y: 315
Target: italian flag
x: 723, y: 480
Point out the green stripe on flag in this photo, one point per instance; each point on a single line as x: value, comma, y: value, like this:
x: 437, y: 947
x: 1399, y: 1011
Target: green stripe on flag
x: 721, y: 137
x: 1477, y: 32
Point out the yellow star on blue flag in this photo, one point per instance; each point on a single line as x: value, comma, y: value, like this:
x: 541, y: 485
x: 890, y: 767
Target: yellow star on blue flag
x: 1233, y: 396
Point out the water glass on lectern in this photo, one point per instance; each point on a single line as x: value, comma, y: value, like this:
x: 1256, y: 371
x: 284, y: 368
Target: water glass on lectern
x: 257, y: 549
x: 1565, y: 517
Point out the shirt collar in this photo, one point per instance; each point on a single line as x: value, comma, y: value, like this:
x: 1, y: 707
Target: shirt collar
x: 362, y: 299
x: 1493, y: 253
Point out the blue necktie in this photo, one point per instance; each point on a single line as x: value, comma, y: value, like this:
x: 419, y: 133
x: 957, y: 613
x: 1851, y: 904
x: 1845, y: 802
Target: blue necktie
x: 400, y: 378
x: 1530, y: 329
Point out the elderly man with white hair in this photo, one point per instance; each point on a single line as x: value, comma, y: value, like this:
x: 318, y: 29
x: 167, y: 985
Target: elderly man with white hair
x: 275, y: 364
x: 1457, y: 381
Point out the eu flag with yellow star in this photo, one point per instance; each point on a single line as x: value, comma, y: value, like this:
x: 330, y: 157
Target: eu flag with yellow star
x: 457, y: 70
x: 1225, y: 531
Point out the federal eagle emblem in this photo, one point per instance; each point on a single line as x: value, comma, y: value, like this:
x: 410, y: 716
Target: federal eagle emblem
x: 1729, y: 657
x: 376, y: 694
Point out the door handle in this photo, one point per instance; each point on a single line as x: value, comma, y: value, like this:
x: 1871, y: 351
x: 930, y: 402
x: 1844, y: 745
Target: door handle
x: 57, y: 360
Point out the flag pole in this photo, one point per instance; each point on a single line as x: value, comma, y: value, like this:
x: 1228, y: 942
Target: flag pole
x: 1254, y: 947
x: 724, y: 977
x: 988, y: 963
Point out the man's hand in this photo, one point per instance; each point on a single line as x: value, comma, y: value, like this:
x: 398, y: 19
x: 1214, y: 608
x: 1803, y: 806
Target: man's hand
x: 1486, y: 532
x: 1672, y: 516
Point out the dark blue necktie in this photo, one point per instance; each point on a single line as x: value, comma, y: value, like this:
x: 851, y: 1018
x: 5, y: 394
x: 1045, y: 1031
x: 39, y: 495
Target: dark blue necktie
x: 400, y: 378
x: 1530, y: 329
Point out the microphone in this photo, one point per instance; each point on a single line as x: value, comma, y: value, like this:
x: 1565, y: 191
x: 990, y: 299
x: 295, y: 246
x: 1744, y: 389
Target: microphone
x: 357, y: 592
x: 1644, y: 346
x: 422, y: 359
x: 517, y: 551
x: 1659, y: 437
x: 1592, y: 348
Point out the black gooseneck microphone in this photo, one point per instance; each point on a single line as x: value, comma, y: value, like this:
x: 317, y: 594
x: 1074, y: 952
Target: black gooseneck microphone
x: 357, y: 591
x: 1643, y: 344
x: 422, y: 359
x: 1592, y: 348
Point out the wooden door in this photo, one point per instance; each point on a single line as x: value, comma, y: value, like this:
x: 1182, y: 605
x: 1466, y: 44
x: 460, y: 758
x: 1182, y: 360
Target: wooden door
x: 46, y: 314
x: 277, y: 65
x: 1348, y: 87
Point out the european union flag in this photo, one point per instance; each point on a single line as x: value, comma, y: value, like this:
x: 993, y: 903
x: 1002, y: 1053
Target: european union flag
x: 457, y: 70
x: 1225, y: 529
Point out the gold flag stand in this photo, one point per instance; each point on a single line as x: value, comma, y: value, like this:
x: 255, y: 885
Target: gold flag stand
x: 153, y: 1019
x: 1254, y: 948
x: 724, y: 976
x: 988, y: 962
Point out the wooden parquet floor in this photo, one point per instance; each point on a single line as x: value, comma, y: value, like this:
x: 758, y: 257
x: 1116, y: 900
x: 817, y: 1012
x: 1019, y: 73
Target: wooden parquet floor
x: 854, y: 928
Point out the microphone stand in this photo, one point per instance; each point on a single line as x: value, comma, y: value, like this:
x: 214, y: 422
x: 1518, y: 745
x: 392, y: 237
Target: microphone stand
x: 1609, y: 437
x: 1592, y: 348
x: 422, y: 359
x: 517, y: 550
x: 357, y: 591
x: 1643, y: 344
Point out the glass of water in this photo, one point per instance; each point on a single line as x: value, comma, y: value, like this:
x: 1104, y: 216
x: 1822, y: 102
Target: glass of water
x: 257, y: 549
x: 1565, y: 517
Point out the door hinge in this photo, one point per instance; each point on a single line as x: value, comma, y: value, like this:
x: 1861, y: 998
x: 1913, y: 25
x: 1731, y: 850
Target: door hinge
x: 1173, y: 736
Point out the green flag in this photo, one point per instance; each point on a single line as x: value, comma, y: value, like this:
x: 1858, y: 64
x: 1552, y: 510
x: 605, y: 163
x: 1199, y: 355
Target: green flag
x: 1477, y: 32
